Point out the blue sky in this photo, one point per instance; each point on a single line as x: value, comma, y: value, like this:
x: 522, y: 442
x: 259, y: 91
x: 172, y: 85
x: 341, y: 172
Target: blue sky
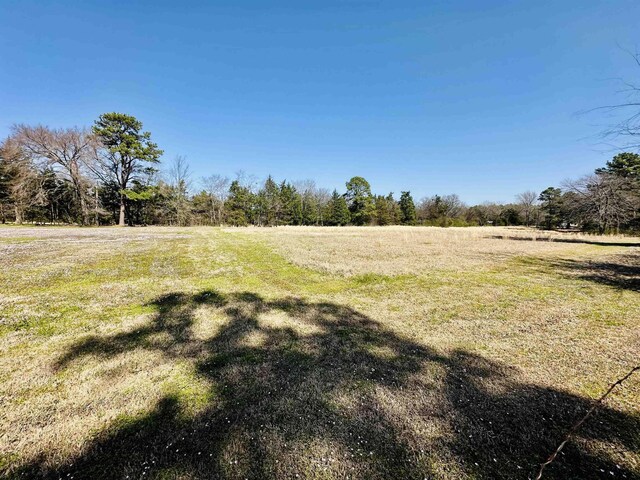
x: 471, y: 97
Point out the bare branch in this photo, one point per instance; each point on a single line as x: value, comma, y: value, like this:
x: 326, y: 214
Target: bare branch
x: 579, y: 423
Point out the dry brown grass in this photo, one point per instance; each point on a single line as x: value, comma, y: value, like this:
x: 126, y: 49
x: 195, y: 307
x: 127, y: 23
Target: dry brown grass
x: 413, y: 250
x: 349, y: 353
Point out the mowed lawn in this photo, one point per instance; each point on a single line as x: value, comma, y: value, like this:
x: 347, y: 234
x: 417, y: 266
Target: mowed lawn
x: 321, y: 353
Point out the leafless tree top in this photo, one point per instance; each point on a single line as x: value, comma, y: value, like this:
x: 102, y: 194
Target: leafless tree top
x: 624, y: 131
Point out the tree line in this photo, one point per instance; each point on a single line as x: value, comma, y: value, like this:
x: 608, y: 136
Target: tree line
x: 109, y: 174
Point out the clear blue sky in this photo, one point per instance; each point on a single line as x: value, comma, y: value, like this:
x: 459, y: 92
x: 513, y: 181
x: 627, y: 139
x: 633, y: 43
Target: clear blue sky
x: 473, y: 97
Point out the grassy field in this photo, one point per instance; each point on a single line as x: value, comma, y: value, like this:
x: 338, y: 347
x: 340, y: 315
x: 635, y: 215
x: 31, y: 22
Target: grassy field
x: 321, y: 353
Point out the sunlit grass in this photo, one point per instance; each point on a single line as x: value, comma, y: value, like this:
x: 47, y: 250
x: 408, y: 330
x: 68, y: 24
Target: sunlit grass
x: 108, y: 335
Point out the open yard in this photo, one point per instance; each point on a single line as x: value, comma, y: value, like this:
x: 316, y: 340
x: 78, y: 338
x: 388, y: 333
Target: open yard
x: 320, y: 353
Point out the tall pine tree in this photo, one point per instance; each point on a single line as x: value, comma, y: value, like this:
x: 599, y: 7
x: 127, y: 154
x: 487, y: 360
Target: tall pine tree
x: 407, y: 209
x: 338, y: 211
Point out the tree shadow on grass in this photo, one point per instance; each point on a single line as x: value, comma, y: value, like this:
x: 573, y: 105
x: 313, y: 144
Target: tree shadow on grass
x: 619, y: 271
x: 565, y: 240
x: 319, y: 390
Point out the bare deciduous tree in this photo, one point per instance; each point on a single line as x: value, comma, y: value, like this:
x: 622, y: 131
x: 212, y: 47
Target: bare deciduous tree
x: 304, y: 186
x: 527, y: 202
x: 247, y: 180
x: 180, y: 182
x: 322, y: 195
x: 603, y: 199
x: 453, y: 206
x: 66, y: 150
x: 22, y: 179
x: 442, y: 208
x: 217, y: 188
x: 627, y: 112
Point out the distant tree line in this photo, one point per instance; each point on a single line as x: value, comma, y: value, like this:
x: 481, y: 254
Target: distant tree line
x: 109, y: 174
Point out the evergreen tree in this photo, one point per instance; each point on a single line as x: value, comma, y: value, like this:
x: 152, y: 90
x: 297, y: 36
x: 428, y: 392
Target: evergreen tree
x: 394, y: 209
x: 338, y: 211
x: 407, y: 209
x: 238, y: 205
x: 360, y: 201
x: 310, y: 209
x: 625, y: 164
x: 160, y: 203
x: 510, y: 216
x: 291, y: 204
x: 296, y: 209
x: 128, y: 151
x: 551, y: 206
x: 271, y: 203
x: 383, y: 210
x: 200, y: 208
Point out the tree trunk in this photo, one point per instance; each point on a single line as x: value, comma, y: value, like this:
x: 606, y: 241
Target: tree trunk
x: 97, y: 200
x: 121, y: 220
x: 84, y: 210
x: 18, y: 215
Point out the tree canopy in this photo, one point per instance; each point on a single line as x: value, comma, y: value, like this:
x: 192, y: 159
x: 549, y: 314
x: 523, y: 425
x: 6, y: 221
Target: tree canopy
x: 126, y: 154
x: 359, y: 200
